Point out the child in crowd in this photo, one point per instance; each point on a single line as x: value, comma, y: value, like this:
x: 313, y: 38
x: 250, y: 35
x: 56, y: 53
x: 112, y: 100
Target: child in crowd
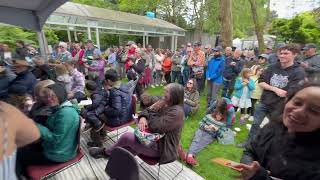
x: 257, y: 70
x: 212, y: 127
x: 243, y: 88
x: 99, y: 98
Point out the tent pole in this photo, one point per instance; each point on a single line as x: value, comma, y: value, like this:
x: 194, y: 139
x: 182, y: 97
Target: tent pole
x: 43, y: 44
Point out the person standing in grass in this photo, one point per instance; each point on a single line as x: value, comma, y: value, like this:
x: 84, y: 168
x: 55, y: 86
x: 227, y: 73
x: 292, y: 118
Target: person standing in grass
x: 213, y: 126
x: 243, y: 87
x: 257, y: 70
x: 216, y: 67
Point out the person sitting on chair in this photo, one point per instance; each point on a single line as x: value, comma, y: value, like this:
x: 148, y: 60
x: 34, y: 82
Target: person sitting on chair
x: 164, y: 117
x: 59, y: 135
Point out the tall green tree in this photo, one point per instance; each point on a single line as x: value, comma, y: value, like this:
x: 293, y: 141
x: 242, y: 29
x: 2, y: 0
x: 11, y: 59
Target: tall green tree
x: 303, y: 28
x: 138, y: 6
x: 258, y: 25
x: 110, y: 4
x: 226, y: 22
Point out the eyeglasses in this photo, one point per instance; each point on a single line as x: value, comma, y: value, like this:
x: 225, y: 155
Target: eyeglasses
x: 61, y: 47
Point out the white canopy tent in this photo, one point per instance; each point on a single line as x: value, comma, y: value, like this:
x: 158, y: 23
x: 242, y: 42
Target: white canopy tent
x: 29, y: 14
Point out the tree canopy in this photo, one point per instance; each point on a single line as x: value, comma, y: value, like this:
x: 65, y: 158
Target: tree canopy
x: 302, y: 29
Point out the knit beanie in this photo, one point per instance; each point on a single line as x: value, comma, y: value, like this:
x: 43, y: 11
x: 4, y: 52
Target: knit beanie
x: 60, y: 92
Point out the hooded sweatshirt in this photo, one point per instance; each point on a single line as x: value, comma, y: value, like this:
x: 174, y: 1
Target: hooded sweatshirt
x: 287, y: 79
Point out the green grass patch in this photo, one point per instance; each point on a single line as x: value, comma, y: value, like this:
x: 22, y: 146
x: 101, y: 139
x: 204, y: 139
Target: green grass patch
x: 206, y: 168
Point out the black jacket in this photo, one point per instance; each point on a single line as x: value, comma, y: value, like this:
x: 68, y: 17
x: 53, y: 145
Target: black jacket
x: 287, y: 79
x: 286, y: 156
x: 99, y: 98
x: 119, y: 109
x: 23, y: 84
x: 230, y: 71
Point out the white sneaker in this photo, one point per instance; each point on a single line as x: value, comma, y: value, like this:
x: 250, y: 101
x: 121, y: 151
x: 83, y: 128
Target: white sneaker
x: 157, y: 85
x: 251, y: 118
x: 152, y: 86
x: 246, y: 116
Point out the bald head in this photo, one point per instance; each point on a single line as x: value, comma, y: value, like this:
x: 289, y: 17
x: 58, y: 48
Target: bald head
x: 237, y: 53
x: 228, y: 51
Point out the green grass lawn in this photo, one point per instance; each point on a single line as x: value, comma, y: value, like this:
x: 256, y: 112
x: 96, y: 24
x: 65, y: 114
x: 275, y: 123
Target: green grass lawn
x: 206, y: 168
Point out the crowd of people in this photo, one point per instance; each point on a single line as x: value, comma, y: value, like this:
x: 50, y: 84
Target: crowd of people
x: 256, y: 85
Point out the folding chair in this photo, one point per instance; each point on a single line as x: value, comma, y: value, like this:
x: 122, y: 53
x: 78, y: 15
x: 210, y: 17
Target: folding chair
x: 38, y: 172
x: 154, y: 161
x: 122, y: 165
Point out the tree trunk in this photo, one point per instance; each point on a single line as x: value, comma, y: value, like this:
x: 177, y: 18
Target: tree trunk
x: 226, y: 22
x: 257, y: 25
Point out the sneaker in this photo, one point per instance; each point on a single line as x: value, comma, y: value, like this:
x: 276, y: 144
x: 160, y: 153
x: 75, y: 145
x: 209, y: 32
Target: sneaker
x: 101, y: 126
x: 182, y: 154
x: 191, y: 161
x: 251, y: 118
x: 246, y: 116
x: 157, y: 85
x: 87, y: 128
x: 152, y: 86
x: 97, y: 152
x: 243, y: 145
x: 94, y: 144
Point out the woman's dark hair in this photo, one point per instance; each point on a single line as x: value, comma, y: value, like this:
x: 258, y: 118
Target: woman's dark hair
x: 91, y: 85
x: 176, y: 93
x: 111, y: 75
x: 221, y: 107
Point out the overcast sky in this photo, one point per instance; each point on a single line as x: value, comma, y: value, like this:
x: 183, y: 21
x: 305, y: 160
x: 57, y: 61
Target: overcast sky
x: 289, y: 8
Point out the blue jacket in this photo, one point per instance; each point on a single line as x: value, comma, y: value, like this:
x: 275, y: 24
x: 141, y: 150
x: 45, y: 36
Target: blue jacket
x: 119, y: 109
x: 238, y: 87
x: 215, y: 69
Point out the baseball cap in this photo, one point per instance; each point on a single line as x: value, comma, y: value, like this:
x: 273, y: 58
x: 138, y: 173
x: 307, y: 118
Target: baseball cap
x: 264, y: 56
x: 217, y: 48
x: 309, y: 46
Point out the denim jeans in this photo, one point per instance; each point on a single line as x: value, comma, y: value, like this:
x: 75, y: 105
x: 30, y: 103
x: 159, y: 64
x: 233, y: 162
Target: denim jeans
x: 185, y: 75
x: 186, y: 109
x: 261, y: 111
x: 176, y: 75
x: 200, y: 140
x: 213, y: 89
x: 228, y: 86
